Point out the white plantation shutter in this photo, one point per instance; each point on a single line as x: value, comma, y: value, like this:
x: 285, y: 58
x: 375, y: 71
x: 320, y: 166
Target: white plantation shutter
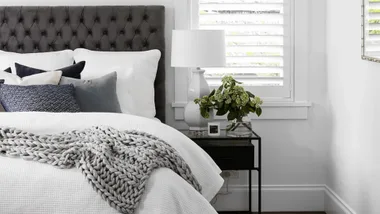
x: 257, y: 42
x: 372, y: 28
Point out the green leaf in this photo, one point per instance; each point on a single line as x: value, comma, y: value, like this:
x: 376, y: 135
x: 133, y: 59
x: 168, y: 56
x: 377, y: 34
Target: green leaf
x: 221, y: 112
x: 252, y: 109
x: 220, y: 88
x: 246, y: 109
x: 220, y: 105
x: 226, y: 107
x: 204, y: 113
x: 259, y: 111
x: 250, y: 94
x: 212, y: 93
x: 232, y: 115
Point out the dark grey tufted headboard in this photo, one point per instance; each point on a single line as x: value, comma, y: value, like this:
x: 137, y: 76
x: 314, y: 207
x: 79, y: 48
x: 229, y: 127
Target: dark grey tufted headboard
x: 103, y: 28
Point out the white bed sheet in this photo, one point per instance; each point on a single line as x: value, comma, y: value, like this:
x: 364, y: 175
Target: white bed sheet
x: 30, y: 187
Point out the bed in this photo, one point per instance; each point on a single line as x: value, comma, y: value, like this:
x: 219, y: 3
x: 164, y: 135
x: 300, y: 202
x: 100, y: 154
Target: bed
x: 31, y: 187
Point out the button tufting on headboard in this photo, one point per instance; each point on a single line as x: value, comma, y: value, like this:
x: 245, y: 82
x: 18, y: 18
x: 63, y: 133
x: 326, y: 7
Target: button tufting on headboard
x: 103, y: 28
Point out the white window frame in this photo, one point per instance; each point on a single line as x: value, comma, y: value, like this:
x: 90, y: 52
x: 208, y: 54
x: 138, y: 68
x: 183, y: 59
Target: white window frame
x: 283, y: 92
x: 294, y: 106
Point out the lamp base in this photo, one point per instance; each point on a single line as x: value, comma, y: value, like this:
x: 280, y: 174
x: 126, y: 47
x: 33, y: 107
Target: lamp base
x: 193, y: 117
x: 198, y: 87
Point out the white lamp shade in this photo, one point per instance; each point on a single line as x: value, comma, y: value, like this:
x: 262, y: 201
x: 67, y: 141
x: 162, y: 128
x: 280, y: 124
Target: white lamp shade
x: 198, y: 48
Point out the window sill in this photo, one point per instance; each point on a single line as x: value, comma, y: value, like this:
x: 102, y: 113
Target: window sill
x: 271, y: 111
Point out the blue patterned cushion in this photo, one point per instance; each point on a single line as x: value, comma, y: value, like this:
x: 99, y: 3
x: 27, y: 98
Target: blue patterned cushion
x: 48, y: 98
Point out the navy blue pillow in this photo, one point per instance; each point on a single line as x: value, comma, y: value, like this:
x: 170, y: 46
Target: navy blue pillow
x: 8, y: 70
x: 72, y: 71
x: 47, y: 98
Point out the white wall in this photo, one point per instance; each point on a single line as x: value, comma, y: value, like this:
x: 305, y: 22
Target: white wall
x: 353, y: 93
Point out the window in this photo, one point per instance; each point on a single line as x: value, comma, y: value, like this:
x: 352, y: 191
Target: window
x: 258, y: 43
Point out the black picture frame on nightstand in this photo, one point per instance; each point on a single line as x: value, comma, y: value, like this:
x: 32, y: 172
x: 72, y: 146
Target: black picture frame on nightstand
x: 233, y: 153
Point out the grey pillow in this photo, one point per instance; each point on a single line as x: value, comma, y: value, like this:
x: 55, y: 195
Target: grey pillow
x: 49, y: 98
x: 97, y: 95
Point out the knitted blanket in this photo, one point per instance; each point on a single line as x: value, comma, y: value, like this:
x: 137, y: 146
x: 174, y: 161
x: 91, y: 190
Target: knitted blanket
x: 117, y: 164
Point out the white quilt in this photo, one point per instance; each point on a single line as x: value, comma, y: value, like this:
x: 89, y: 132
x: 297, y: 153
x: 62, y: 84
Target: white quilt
x: 34, y: 188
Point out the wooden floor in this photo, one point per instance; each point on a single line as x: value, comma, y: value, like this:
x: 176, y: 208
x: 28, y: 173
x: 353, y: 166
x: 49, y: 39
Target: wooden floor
x: 275, y: 212
x: 294, y: 213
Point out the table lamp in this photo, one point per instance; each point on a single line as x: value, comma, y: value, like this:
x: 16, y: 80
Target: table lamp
x: 197, y: 49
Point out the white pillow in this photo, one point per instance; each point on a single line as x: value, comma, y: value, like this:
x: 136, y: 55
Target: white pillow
x: 45, y: 78
x: 136, y: 72
x: 44, y: 61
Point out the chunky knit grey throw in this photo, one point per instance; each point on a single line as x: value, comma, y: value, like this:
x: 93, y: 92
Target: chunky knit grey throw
x: 116, y: 163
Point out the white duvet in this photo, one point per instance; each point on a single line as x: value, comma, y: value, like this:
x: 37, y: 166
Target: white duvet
x: 34, y: 188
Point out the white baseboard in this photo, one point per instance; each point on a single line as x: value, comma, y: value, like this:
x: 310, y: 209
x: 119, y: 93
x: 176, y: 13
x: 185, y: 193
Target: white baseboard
x: 287, y: 198
x: 275, y: 198
x: 335, y: 205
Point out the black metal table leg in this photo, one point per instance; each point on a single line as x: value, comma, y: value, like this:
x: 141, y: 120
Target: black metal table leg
x: 250, y: 191
x: 259, y: 178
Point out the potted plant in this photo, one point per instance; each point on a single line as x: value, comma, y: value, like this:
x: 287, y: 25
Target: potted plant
x: 231, y: 99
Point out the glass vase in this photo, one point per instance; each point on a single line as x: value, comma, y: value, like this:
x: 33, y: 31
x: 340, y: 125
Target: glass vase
x: 239, y: 128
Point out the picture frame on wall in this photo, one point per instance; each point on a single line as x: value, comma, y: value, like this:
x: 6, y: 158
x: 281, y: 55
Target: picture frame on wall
x: 370, y: 32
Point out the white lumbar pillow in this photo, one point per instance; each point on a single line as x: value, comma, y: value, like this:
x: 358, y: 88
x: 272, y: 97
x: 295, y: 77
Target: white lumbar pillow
x: 136, y: 72
x: 45, y: 61
x: 51, y: 78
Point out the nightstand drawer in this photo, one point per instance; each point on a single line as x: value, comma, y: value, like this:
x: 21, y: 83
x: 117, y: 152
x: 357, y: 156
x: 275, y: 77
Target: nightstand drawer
x: 232, y: 158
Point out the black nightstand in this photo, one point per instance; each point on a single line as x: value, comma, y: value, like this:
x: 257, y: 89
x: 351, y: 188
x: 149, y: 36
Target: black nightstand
x: 233, y: 153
